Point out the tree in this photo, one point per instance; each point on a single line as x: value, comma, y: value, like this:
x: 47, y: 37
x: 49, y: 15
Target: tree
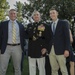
x: 66, y: 8
x: 19, y: 6
x: 3, y: 8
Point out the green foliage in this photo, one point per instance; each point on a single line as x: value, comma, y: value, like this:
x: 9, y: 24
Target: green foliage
x: 66, y: 8
x: 3, y: 8
x: 19, y: 6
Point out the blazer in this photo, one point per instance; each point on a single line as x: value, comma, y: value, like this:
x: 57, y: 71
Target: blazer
x: 61, y: 38
x: 4, y: 35
x: 35, y: 46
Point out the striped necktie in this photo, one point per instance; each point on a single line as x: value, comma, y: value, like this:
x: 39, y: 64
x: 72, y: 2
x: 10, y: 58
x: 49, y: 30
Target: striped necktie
x: 53, y: 28
x: 13, y: 33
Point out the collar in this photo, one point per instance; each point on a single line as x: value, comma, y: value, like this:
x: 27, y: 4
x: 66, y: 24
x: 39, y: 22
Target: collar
x: 13, y: 21
x: 56, y: 21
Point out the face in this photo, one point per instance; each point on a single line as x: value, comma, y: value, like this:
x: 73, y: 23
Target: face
x: 12, y: 15
x: 36, y: 17
x: 53, y: 14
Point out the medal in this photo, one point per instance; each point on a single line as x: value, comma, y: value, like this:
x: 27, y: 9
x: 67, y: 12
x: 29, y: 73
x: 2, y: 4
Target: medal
x: 40, y: 33
x: 34, y: 38
x: 34, y: 29
x: 41, y: 27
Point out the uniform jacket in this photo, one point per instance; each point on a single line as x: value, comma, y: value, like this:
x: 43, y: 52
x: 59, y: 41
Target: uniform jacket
x: 35, y: 46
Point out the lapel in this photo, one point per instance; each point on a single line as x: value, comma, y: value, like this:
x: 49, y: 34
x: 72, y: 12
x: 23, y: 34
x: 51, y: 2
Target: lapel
x: 6, y: 30
x: 19, y: 28
x: 50, y: 25
x: 57, y: 27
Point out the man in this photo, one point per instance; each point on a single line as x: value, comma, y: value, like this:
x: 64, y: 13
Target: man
x: 11, y: 43
x: 38, y: 34
x: 59, y: 44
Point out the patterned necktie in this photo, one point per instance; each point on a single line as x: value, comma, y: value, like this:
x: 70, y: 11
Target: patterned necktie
x: 13, y: 33
x: 53, y: 28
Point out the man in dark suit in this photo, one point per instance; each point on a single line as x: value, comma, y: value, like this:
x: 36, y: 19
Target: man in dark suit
x: 11, y: 43
x: 38, y: 34
x: 59, y: 44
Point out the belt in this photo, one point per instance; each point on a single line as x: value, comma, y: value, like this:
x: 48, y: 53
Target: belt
x: 14, y: 44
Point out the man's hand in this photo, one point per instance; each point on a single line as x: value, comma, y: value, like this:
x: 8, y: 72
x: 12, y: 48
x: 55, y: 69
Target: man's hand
x: 66, y: 53
x: 43, y: 51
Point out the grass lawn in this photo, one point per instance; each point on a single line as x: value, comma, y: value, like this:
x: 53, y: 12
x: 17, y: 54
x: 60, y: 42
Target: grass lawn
x: 10, y: 70
x: 25, y: 68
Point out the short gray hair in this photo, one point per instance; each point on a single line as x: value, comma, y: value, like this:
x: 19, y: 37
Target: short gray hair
x: 35, y: 11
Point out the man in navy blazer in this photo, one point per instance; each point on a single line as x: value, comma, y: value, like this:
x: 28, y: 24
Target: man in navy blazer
x: 9, y: 48
x: 59, y: 44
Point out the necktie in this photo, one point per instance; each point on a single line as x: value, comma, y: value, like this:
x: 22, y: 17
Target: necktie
x: 13, y: 33
x: 53, y: 28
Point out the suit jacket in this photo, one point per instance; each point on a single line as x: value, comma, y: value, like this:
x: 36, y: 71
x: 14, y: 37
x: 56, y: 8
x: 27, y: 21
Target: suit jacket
x: 4, y: 35
x: 61, y: 38
x: 35, y: 46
